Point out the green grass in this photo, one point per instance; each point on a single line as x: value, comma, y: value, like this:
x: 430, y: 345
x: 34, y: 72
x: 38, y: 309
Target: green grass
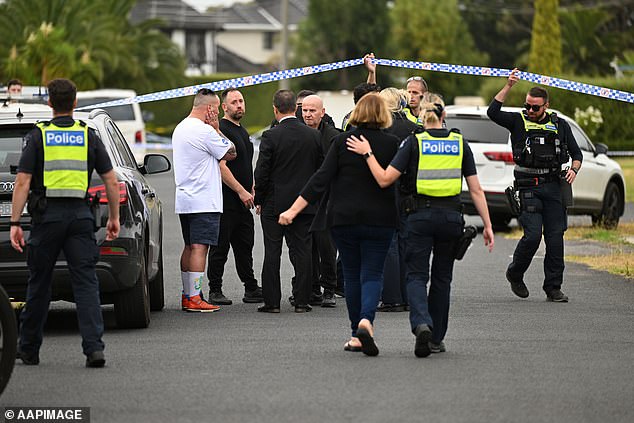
x: 621, y: 259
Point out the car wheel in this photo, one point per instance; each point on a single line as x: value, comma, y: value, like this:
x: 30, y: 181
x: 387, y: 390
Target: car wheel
x: 500, y: 222
x: 132, y: 306
x: 157, y: 293
x: 611, y: 210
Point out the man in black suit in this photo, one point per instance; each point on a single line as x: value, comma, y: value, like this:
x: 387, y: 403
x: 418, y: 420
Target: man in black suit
x: 290, y: 153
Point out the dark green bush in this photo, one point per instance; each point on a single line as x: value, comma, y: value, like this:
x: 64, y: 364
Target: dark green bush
x: 617, y: 131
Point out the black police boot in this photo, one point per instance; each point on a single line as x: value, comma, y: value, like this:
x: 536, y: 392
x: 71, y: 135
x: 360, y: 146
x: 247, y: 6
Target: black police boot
x: 517, y: 285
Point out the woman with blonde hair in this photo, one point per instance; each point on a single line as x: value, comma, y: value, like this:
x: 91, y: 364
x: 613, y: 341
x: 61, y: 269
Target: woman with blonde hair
x: 361, y: 215
x: 436, y: 160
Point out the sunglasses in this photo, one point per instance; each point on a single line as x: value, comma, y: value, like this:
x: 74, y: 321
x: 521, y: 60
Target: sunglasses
x: 419, y: 79
x: 533, y: 107
x: 205, y: 91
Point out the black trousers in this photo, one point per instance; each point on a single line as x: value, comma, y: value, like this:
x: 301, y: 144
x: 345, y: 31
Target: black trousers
x: 299, y: 242
x: 76, y: 238
x: 237, y: 231
x: 324, y: 261
x: 543, y: 214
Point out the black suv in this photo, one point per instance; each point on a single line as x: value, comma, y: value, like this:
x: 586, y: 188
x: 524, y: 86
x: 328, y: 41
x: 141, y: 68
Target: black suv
x: 130, y: 268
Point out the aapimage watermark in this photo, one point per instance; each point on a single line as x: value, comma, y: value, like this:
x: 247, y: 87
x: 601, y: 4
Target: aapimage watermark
x: 46, y: 414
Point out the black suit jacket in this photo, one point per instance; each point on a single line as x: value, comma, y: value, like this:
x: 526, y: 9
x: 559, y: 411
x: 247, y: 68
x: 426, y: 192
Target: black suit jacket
x: 290, y: 153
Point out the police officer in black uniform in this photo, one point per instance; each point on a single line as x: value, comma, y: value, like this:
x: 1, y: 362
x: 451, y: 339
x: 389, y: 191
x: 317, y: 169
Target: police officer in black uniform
x: 541, y: 143
x: 57, y: 160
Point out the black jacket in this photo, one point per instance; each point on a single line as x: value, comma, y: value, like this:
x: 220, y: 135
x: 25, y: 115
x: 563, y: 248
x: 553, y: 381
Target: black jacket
x: 290, y: 153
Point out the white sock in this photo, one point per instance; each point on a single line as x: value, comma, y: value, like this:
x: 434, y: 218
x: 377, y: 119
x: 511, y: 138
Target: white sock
x: 195, y: 283
x: 184, y: 280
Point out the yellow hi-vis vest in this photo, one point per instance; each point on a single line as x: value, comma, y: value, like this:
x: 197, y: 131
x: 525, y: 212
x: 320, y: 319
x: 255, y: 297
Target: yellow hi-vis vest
x: 439, y: 165
x: 410, y: 116
x: 65, y: 159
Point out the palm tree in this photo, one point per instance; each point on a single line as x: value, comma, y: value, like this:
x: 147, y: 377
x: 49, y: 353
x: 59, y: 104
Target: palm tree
x: 90, y: 42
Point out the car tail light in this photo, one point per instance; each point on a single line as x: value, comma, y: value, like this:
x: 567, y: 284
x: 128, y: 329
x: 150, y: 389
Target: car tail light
x: 103, y: 199
x: 138, y: 137
x: 500, y: 156
x: 112, y: 251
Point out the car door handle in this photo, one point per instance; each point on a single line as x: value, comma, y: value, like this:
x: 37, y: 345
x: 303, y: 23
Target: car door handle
x: 148, y: 192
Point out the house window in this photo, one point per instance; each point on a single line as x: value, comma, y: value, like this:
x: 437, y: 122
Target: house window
x: 195, y: 48
x: 268, y: 40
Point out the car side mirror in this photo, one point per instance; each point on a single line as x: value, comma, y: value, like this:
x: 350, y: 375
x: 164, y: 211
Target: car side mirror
x: 600, y: 148
x: 155, y: 163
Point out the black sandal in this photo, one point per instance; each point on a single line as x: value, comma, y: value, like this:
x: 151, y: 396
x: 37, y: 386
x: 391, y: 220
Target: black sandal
x: 368, y: 346
x: 351, y: 348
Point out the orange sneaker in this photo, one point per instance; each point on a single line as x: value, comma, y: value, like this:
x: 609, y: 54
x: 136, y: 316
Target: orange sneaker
x: 197, y: 304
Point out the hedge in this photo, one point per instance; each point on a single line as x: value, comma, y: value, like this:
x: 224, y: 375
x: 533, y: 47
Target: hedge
x: 617, y: 130
x: 168, y: 113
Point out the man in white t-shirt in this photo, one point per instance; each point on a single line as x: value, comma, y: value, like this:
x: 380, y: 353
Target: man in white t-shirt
x: 198, y: 148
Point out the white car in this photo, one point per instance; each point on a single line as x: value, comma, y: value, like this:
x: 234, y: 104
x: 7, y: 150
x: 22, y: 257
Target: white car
x: 598, y: 191
x: 128, y: 117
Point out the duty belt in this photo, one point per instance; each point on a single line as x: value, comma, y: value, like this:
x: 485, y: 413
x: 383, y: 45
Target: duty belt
x: 527, y: 181
x: 441, y: 203
x: 533, y: 170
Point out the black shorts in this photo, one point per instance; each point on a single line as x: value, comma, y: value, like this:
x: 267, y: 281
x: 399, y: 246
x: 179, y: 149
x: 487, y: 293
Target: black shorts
x: 200, y: 228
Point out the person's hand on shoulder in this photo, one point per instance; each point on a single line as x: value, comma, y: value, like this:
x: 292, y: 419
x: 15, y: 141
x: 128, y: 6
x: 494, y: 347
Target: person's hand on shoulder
x: 360, y: 146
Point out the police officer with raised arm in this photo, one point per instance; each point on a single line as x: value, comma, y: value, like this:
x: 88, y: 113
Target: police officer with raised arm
x: 541, y: 143
x: 57, y: 160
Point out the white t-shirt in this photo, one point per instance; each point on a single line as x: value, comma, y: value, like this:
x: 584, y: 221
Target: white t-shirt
x: 197, y: 149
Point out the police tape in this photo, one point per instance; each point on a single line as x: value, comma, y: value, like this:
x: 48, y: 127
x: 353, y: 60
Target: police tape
x: 244, y: 81
x: 263, y: 78
x: 564, y: 84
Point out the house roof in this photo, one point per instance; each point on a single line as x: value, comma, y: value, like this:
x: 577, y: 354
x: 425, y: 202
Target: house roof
x: 263, y: 14
x: 176, y: 14
x: 230, y: 62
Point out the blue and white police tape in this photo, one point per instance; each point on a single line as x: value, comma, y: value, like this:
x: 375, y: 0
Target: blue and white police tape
x: 246, y: 81
x: 527, y: 76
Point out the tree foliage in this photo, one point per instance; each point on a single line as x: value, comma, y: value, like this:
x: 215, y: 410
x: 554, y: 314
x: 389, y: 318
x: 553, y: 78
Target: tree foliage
x: 491, y: 21
x: 433, y: 31
x: 340, y: 30
x: 545, y: 52
x: 90, y: 42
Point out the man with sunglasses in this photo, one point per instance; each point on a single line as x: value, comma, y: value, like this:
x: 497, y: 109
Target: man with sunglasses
x: 541, y: 143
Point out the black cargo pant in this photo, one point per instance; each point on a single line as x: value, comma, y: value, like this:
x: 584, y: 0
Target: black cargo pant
x: 237, y: 231
x: 71, y: 230
x: 542, y: 212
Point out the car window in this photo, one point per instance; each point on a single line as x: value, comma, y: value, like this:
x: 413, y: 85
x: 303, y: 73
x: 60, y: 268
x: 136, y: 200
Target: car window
x: 127, y: 159
x: 123, y: 112
x: 11, y: 147
x: 580, y: 137
x: 478, y: 130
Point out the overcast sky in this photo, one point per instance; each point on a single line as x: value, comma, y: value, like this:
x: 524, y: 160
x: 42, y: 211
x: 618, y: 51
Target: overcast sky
x: 202, y: 5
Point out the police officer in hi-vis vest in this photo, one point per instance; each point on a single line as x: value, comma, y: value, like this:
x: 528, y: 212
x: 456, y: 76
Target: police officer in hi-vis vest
x: 541, y: 143
x: 435, y: 159
x: 57, y: 160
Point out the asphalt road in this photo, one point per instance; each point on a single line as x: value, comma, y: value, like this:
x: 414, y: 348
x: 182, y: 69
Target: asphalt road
x: 508, y: 360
